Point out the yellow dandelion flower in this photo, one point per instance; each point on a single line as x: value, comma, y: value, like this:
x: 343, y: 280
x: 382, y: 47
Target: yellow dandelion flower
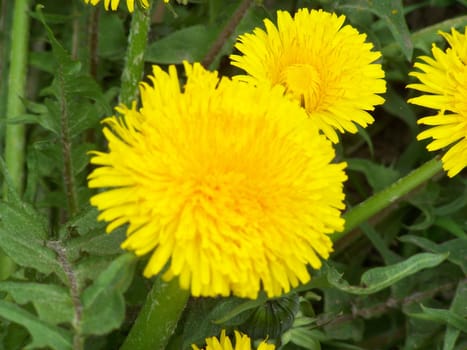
x: 325, y: 65
x: 444, y: 79
x: 227, y: 184
x: 113, y: 4
x: 242, y: 342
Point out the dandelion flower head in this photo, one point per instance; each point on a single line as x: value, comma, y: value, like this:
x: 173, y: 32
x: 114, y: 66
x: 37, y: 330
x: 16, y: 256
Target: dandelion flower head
x: 443, y: 79
x: 326, y: 65
x: 242, y: 342
x: 113, y: 4
x: 227, y: 184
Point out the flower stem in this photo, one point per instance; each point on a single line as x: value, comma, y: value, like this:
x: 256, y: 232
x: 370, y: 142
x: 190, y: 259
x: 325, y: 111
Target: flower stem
x: 134, y: 61
x: 15, y: 133
x: 365, y: 210
x: 158, y: 318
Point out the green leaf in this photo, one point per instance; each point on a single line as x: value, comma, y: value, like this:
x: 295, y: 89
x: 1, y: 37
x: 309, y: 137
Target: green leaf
x: 205, y: 317
x: 454, y: 205
x: 398, y: 107
x: 392, y: 13
x: 83, y: 223
x: 456, y: 248
x: 381, y: 246
x: 43, y: 335
x: 452, y: 226
x: 112, y: 39
x: 450, y: 337
x: 189, y: 44
x: 98, y: 243
x: 305, y: 338
x: 241, y: 306
x: 22, y: 238
x: 52, y: 302
x: 103, y: 302
x: 378, y: 278
x: 378, y: 176
x: 424, y: 38
x: 92, y: 237
x: 443, y: 316
x: 459, y: 304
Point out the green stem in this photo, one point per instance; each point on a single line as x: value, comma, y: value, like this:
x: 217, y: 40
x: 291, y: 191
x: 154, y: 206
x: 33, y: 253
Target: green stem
x: 15, y: 133
x: 158, y: 318
x: 134, y: 61
x: 365, y: 210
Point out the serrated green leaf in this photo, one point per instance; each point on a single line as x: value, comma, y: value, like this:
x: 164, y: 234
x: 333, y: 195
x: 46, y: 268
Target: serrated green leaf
x: 84, y: 222
x: 378, y: 176
x: 378, y: 278
x: 14, y: 218
x: 43, y: 335
x: 103, y: 302
x: 22, y: 238
x: 88, y: 268
x: 52, y: 302
x: 97, y: 243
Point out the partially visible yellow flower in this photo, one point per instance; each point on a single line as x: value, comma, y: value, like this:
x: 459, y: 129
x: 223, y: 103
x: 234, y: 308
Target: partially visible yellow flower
x: 113, y: 4
x: 229, y: 186
x: 242, y: 342
x: 327, y: 66
x: 444, y: 80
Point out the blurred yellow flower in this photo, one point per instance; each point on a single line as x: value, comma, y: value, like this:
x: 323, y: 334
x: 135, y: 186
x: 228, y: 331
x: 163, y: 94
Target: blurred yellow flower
x: 242, y: 342
x: 444, y: 80
x: 113, y: 4
x: 229, y: 183
x: 325, y: 65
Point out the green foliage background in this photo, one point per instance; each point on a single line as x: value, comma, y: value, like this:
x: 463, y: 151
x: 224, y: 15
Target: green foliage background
x: 396, y: 281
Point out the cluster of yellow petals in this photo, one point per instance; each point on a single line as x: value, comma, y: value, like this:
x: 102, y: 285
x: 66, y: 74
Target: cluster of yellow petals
x: 327, y: 66
x: 242, y: 342
x: 113, y: 4
x: 229, y: 186
x: 443, y: 79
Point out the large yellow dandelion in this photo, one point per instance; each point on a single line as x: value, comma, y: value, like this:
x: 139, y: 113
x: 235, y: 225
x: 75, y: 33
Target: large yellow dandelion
x: 242, y: 342
x: 113, y: 4
x: 229, y: 186
x: 444, y: 80
x: 327, y: 66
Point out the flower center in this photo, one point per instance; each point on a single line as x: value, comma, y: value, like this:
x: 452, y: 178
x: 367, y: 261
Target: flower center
x: 304, y: 82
